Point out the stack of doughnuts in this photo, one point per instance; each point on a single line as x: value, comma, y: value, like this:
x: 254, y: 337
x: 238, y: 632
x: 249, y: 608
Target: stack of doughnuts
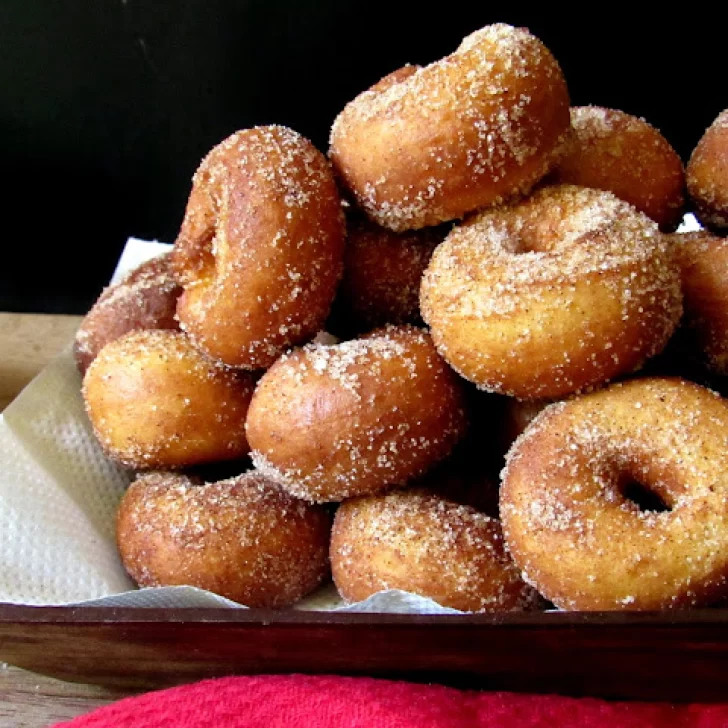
x: 506, y: 284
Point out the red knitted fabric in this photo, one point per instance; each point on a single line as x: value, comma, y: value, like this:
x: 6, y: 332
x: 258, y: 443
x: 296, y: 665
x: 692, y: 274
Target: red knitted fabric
x: 339, y: 702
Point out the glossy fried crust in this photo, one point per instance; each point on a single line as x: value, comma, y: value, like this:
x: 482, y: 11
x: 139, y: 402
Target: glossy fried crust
x: 330, y: 422
x: 261, y: 247
x: 155, y: 401
x: 382, y: 274
x: 428, y: 145
x: 242, y: 538
x: 551, y: 295
x: 623, y: 154
x: 145, y: 299
x: 704, y: 264
x: 569, y: 524
x: 427, y: 545
x: 707, y: 175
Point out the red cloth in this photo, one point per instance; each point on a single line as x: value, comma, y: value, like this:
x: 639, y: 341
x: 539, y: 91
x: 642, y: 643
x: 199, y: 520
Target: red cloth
x: 338, y: 702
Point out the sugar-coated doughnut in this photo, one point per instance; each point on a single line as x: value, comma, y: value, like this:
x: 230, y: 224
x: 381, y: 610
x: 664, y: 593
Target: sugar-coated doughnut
x: 707, y: 175
x: 382, y: 275
x: 704, y: 264
x: 330, y: 422
x: 428, y: 145
x: 144, y: 299
x: 545, y: 297
x: 261, y: 247
x: 427, y: 545
x: 155, y: 401
x: 571, y: 523
x: 623, y: 154
x: 242, y: 538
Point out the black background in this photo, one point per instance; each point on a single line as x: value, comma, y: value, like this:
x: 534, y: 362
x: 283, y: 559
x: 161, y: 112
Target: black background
x: 108, y: 107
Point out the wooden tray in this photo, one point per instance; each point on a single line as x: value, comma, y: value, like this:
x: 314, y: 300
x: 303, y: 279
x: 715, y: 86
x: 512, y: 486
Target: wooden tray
x: 681, y: 656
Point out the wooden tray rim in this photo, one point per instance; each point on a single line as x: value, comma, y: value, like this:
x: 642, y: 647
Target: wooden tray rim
x: 80, y: 615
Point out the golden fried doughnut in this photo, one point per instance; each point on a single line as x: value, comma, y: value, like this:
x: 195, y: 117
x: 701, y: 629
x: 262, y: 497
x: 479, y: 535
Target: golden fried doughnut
x: 330, y: 422
x: 428, y: 145
x: 261, y: 247
x: 707, y: 175
x: 704, y: 264
x: 145, y: 299
x: 562, y: 291
x: 427, y: 545
x: 155, y: 401
x: 623, y: 154
x: 242, y: 538
x: 569, y: 520
x: 382, y: 275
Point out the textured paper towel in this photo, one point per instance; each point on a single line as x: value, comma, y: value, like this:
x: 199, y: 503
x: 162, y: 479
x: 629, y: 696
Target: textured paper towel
x: 58, y: 499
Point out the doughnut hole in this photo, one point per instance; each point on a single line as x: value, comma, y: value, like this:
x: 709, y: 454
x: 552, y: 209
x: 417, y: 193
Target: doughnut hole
x: 241, y: 538
x: 421, y: 543
x: 155, y: 401
x: 331, y: 422
x: 707, y: 175
x: 617, y: 500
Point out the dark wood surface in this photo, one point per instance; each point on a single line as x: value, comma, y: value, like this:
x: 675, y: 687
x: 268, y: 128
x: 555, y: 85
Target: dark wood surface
x: 676, y: 657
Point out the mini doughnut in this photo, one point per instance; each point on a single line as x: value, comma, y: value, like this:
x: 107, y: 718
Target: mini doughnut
x: 428, y: 145
x: 330, y: 422
x: 568, y: 518
x: 241, y: 538
x: 551, y: 295
x: 707, y: 175
x: 623, y: 154
x: 382, y: 275
x: 145, y: 299
x: 426, y: 545
x: 704, y: 263
x: 155, y: 401
x: 261, y: 247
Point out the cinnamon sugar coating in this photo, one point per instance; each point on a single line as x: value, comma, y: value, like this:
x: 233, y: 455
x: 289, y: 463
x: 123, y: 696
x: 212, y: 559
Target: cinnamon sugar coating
x: 623, y: 154
x: 707, y: 175
x: 570, y: 524
x: 331, y: 422
x: 242, y: 538
x: 427, y: 145
x: 704, y: 265
x: 260, y: 252
x: 155, y: 401
x: 418, y: 542
x: 145, y: 299
x: 562, y: 291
